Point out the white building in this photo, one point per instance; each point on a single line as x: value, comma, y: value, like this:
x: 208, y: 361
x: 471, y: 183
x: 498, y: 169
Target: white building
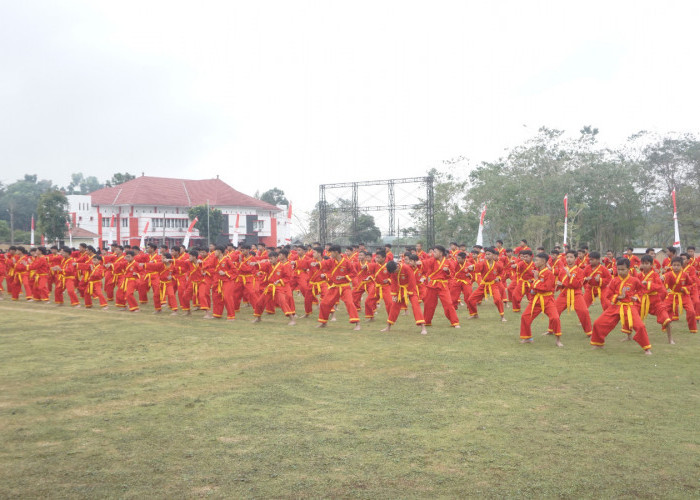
x: 156, y: 207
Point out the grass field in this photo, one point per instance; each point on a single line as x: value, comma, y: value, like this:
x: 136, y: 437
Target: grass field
x: 102, y: 404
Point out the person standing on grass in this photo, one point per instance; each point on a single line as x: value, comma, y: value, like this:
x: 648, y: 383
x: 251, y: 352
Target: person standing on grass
x: 404, y: 290
x: 652, y: 295
x: 437, y: 270
x: 678, y: 283
x: 624, y: 305
x: 490, y: 272
x: 542, y: 300
x: 570, y: 280
x: 337, y: 271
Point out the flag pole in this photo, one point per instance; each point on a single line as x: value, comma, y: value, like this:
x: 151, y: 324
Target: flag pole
x: 566, y: 220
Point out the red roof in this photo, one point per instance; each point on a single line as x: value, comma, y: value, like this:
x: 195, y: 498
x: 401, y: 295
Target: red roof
x: 163, y: 191
x: 79, y: 232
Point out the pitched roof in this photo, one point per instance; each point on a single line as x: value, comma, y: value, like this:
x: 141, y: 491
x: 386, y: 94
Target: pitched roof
x: 79, y: 232
x: 163, y: 191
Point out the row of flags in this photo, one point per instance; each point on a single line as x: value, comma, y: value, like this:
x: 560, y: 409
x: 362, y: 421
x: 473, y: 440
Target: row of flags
x: 677, y: 237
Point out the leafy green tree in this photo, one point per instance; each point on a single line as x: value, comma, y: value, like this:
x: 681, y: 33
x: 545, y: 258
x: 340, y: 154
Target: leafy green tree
x: 212, y: 228
x: 18, y: 201
x: 341, y: 229
x: 52, y: 211
x: 83, y: 185
x: 274, y: 196
x: 119, y: 178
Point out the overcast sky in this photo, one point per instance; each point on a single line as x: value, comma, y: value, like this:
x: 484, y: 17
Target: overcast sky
x: 295, y: 94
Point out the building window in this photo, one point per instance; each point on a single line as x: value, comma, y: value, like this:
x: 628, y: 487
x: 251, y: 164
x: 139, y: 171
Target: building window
x: 125, y: 222
x: 258, y: 225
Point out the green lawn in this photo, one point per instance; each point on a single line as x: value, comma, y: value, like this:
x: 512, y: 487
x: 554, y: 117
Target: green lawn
x: 107, y: 404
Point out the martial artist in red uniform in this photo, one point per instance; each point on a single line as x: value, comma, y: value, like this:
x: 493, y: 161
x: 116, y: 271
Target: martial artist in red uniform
x: 437, y: 271
x: 624, y: 306
x: 490, y: 272
x: 678, y: 283
x: 541, y: 300
x: 570, y: 280
x: 652, y: 295
x: 404, y: 290
x: 596, y: 281
x: 337, y: 272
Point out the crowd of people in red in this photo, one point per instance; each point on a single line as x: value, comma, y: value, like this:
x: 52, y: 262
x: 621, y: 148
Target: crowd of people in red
x: 629, y: 288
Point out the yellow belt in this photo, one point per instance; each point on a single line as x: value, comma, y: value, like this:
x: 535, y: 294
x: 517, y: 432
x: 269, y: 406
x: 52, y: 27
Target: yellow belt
x: 677, y: 296
x: 488, y: 288
x: 570, y: 298
x: 539, y: 297
x: 630, y: 319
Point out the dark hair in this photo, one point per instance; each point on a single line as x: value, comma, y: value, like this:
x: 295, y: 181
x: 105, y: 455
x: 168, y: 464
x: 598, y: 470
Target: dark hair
x: 571, y: 251
x: 380, y: 253
x: 462, y: 254
x: 220, y: 248
x: 648, y: 250
x: 318, y: 249
x: 623, y: 262
x: 491, y: 250
x: 130, y: 252
x: 413, y: 257
x: 524, y: 241
x: 98, y: 257
x: 387, y: 245
x: 690, y: 248
x: 543, y: 255
x: 527, y: 251
x: 677, y: 259
x: 499, y: 241
x: 630, y: 249
x: 284, y: 252
x: 272, y: 253
x: 594, y: 255
x: 334, y: 248
x: 441, y: 248
x: 647, y: 258
x: 391, y: 266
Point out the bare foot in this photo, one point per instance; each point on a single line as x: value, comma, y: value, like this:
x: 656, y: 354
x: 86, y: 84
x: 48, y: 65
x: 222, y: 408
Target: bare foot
x: 647, y: 352
x: 157, y: 312
x: 626, y: 339
x: 547, y: 333
x: 386, y: 328
x: 292, y: 322
x: 423, y: 330
x: 668, y: 334
x: 593, y: 347
x: 476, y: 316
x: 256, y: 320
x: 558, y: 343
x: 230, y: 319
x: 105, y: 308
x: 174, y: 313
x: 321, y: 325
x: 357, y: 327
x: 457, y: 326
x: 526, y: 341
x: 369, y: 320
x: 503, y: 319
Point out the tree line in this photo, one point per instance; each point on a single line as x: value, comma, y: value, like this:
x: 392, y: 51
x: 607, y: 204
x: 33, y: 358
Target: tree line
x: 617, y: 196
x: 30, y: 197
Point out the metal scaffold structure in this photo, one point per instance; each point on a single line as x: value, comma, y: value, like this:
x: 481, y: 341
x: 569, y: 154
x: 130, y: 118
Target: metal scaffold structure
x: 329, y: 194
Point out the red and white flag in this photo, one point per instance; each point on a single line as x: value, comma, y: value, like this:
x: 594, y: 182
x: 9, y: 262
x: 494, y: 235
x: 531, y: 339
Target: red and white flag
x: 480, y: 234
x: 186, y: 241
x: 143, y: 236
x: 676, y: 232
x: 31, y: 240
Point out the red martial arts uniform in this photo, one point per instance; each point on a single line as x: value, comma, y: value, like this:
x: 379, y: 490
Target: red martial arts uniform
x: 542, y: 300
x: 338, y: 275
x: 679, y: 298
x: 404, y: 290
x: 623, y: 306
x: 571, y: 297
x: 437, y: 274
x: 490, y: 275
